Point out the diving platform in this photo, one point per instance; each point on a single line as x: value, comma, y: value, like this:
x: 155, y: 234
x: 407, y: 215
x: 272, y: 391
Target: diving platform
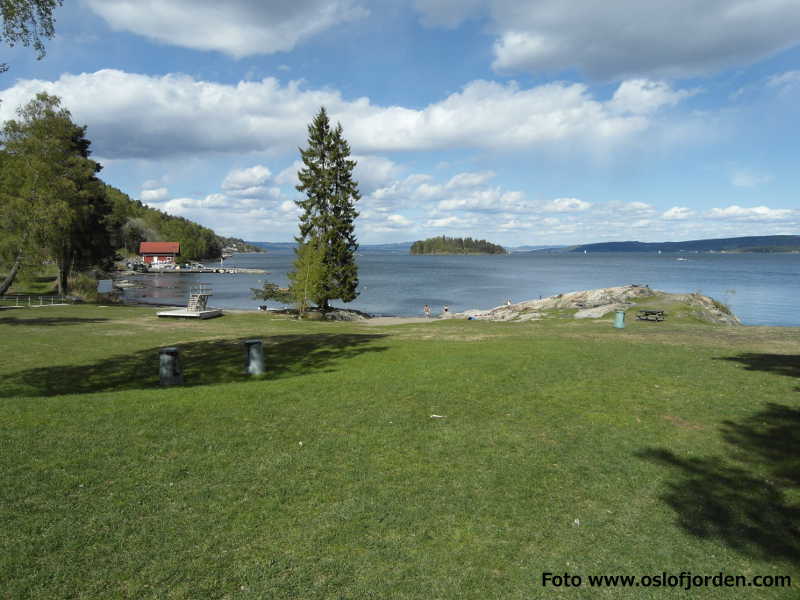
x: 192, y: 314
x: 197, y: 307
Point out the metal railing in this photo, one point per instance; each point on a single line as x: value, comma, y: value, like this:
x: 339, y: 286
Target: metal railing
x: 32, y: 301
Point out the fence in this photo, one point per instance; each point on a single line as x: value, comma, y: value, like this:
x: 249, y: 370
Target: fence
x: 32, y: 301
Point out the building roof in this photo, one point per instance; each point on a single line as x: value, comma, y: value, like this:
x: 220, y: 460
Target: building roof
x: 160, y: 248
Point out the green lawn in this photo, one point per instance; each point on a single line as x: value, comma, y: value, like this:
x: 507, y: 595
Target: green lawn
x: 565, y: 446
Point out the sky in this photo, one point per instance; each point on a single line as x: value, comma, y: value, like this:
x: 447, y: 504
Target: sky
x: 524, y: 123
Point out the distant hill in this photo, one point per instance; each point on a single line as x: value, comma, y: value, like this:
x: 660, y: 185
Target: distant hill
x: 238, y: 245
x: 278, y: 247
x: 538, y: 248
x: 763, y: 243
x: 398, y: 248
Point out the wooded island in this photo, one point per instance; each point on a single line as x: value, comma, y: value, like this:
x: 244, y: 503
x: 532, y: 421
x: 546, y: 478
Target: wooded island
x: 448, y: 245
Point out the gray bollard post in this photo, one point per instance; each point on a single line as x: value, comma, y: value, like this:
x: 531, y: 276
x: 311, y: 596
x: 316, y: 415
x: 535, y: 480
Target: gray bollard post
x: 619, y: 319
x: 169, y: 368
x: 254, y: 357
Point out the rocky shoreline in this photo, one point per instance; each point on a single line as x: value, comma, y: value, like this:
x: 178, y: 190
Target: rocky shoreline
x: 586, y: 304
x: 594, y: 304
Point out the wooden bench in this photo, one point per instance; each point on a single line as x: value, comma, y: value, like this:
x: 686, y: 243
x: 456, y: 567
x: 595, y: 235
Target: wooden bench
x: 650, y: 315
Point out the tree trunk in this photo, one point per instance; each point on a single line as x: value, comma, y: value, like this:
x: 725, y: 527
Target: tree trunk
x: 64, y: 269
x: 11, y: 276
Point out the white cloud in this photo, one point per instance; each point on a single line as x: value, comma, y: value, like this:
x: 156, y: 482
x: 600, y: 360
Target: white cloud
x: 288, y: 176
x: 373, y: 172
x: 152, y: 184
x: 236, y: 27
x: 788, y: 79
x: 140, y: 116
x: 287, y: 206
x: 643, y: 97
x: 622, y: 38
x: 755, y: 213
x: 469, y: 179
x: 154, y: 195
x: 514, y: 224
x: 486, y: 199
x: 563, y: 205
x: 677, y: 213
x: 240, y: 179
x: 450, y: 222
x: 399, y: 220
x: 637, y: 207
x: 749, y: 179
x: 491, y: 115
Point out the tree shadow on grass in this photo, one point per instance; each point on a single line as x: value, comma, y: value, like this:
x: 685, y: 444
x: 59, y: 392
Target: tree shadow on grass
x: 741, y: 499
x: 782, y: 364
x: 49, y: 321
x: 204, y: 363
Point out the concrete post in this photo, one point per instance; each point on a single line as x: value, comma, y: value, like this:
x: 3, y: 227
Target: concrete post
x: 619, y: 319
x: 254, y: 357
x: 170, y: 366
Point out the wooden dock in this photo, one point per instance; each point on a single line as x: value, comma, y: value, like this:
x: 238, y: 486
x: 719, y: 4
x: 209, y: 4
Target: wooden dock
x: 197, y: 308
x: 208, y: 313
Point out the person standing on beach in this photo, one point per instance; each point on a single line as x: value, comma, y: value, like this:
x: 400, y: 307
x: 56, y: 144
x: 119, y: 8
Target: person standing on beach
x: 426, y: 310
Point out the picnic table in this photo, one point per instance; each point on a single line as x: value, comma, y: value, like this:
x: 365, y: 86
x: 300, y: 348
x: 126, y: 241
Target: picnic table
x: 650, y: 315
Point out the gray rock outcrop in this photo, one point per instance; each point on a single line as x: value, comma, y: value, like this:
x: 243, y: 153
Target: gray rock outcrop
x: 594, y: 304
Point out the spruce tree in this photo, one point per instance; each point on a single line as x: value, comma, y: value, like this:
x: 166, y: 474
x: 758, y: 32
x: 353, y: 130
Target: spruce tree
x: 329, y: 210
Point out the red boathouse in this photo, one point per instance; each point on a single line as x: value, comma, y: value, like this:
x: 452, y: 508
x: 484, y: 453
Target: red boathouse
x: 159, y: 253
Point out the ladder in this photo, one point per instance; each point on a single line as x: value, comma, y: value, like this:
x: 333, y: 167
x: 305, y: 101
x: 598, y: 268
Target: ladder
x: 198, y: 297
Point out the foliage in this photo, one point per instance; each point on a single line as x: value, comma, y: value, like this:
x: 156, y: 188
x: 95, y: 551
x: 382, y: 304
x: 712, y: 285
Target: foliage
x: 134, y: 222
x: 329, y: 209
x: 448, y: 245
x: 721, y: 307
x: 50, y: 189
x: 26, y: 22
x: 238, y: 244
x: 271, y: 291
x: 53, y: 205
x: 307, y: 281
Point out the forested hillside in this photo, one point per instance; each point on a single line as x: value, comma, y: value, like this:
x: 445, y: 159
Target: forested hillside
x: 763, y: 243
x: 132, y: 222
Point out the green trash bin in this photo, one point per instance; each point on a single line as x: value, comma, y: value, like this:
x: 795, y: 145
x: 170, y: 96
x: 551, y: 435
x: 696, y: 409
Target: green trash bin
x: 619, y: 319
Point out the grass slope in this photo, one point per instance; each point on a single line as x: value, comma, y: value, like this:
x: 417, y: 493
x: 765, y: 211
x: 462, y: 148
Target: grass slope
x: 565, y: 446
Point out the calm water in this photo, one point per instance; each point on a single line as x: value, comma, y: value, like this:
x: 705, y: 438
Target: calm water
x: 761, y: 289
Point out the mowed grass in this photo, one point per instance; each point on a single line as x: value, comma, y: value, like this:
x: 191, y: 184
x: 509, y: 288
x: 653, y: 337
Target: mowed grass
x: 563, y: 446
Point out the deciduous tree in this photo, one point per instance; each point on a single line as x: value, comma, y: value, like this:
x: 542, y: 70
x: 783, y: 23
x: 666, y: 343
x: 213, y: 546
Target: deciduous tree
x: 27, y: 22
x: 50, y: 187
x: 307, y: 281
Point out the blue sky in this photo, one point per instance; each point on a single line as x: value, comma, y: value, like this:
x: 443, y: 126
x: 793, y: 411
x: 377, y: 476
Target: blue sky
x: 553, y: 122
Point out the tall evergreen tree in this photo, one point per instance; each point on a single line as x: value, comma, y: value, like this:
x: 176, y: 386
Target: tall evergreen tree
x: 329, y: 210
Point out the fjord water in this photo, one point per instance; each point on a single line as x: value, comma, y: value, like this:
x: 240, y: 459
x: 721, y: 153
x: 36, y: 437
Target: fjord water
x: 762, y: 289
